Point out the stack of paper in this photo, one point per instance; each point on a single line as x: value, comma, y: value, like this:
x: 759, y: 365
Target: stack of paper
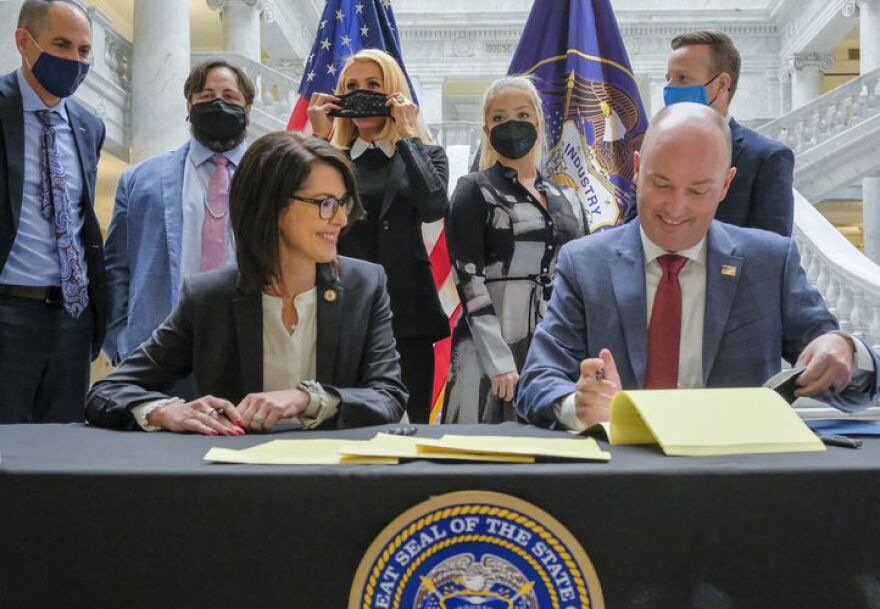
x: 295, y: 452
x: 389, y: 449
x: 689, y: 422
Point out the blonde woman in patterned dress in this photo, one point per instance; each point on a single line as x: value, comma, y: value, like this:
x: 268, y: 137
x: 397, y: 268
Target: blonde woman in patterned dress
x: 506, y: 225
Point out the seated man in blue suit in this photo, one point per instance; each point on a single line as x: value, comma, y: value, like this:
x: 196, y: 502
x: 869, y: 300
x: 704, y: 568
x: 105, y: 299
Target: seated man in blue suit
x: 726, y: 303
x: 704, y: 68
x: 170, y: 218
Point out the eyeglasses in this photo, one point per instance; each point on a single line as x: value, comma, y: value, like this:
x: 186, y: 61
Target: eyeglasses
x: 328, y: 206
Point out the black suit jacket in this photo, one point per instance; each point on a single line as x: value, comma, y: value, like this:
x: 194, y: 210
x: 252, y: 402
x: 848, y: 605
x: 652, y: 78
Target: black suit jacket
x: 415, y: 193
x: 88, y: 132
x: 760, y: 195
x: 216, y: 333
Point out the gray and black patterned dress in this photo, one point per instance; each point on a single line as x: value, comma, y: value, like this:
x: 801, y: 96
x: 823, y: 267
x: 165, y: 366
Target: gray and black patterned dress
x: 503, y: 246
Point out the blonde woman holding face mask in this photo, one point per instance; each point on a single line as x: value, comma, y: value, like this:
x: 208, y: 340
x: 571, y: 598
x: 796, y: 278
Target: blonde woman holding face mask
x: 401, y: 177
x: 504, y: 230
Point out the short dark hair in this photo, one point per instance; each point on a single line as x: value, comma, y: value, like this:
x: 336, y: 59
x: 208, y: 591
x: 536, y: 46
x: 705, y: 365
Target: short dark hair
x: 724, y: 56
x: 33, y: 13
x: 195, y: 82
x: 274, y: 167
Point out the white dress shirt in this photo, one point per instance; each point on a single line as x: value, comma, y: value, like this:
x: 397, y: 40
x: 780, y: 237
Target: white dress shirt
x: 288, y: 358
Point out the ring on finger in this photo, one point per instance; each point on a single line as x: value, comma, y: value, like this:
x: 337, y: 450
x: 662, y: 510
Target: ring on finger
x: 258, y: 419
x: 213, y: 413
x: 400, y: 98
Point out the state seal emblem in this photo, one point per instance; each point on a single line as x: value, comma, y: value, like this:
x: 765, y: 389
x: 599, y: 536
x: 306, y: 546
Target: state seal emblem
x: 475, y: 550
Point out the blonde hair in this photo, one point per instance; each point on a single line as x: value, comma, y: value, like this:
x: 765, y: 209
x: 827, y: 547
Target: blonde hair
x: 344, y: 130
x: 488, y: 156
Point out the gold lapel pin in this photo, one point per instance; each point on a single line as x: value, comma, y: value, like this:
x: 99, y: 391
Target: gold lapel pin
x: 728, y: 270
x: 330, y: 295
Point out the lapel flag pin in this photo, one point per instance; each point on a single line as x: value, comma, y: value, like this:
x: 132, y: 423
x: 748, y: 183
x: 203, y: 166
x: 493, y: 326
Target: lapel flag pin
x: 330, y: 295
x: 728, y: 270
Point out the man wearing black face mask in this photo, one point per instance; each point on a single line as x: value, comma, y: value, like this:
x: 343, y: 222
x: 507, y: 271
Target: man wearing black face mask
x: 171, y: 210
x: 51, y: 264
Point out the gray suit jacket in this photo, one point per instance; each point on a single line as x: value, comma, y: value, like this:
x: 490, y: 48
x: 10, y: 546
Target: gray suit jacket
x: 216, y: 333
x: 143, y: 251
x: 759, y: 309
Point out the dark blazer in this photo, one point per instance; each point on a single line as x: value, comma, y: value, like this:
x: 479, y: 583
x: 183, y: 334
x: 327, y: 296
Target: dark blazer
x: 415, y: 193
x: 216, y: 333
x: 759, y: 309
x: 760, y: 195
x: 88, y: 132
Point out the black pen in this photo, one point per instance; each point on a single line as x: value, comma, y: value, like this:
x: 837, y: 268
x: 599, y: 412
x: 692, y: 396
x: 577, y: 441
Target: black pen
x: 838, y: 440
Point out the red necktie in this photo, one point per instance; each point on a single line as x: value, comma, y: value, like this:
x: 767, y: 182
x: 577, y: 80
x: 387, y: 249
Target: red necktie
x: 664, y: 332
x: 214, y: 225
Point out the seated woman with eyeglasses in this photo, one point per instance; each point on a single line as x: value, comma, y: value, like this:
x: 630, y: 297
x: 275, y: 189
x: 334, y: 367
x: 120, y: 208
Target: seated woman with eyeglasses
x: 296, y: 336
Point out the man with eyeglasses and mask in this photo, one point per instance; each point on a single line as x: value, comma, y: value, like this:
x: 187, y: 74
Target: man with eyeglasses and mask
x: 704, y: 68
x: 170, y: 219
x: 52, y: 310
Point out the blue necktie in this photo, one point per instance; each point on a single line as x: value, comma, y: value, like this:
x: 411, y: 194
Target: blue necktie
x: 56, y: 208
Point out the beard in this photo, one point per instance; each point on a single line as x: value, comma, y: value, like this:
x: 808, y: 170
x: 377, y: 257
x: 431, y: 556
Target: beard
x: 215, y: 144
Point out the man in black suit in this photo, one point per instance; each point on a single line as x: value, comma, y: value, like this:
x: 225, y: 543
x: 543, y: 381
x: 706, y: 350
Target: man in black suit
x: 704, y: 68
x: 51, y: 261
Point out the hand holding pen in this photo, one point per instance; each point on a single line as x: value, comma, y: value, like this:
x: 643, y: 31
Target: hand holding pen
x: 598, y: 383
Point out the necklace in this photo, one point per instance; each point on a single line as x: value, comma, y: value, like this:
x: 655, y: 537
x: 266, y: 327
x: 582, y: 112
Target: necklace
x: 204, y: 190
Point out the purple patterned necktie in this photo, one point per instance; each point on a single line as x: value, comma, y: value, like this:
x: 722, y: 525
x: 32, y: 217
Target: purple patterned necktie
x: 214, y: 226
x: 56, y: 208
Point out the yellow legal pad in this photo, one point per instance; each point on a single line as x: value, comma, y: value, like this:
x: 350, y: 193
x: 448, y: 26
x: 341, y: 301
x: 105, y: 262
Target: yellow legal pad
x: 405, y: 447
x: 295, y: 452
x: 565, y: 448
x: 701, y: 422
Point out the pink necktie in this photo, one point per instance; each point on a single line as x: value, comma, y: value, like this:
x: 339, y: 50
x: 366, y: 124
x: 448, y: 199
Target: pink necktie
x: 664, y: 332
x: 216, y: 214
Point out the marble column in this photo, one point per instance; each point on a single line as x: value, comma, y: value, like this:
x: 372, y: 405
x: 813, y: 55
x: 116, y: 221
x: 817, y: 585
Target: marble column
x: 241, y: 25
x: 431, y: 102
x: 869, y: 26
x: 160, y: 65
x: 9, y: 57
x: 806, y: 71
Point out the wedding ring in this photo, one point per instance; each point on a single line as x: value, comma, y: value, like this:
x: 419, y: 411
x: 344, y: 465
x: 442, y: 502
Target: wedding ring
x: 400, y: 98
x: 258, y: 419
x: 213, y: 413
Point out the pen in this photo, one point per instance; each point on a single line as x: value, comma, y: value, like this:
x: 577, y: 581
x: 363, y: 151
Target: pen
x: 838, y: 440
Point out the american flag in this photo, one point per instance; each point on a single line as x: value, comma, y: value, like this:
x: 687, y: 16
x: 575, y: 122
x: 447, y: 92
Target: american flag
x: 346, y: 27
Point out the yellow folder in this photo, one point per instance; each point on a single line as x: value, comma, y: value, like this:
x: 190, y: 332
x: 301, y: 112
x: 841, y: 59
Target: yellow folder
x: 565, y: 448
x: 699, y: 422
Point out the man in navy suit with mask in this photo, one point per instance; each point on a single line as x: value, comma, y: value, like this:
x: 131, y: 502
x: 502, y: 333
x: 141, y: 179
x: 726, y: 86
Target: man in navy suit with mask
x: 51, y: 263
x: 170, y: 218
x: 704, y: 68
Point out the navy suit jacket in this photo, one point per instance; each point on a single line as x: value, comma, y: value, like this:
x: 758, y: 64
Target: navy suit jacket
x: 761, y: 193
x: 143, y: 250
x: 216, y: 334
x: 88, y: 133
x: 755, y: 317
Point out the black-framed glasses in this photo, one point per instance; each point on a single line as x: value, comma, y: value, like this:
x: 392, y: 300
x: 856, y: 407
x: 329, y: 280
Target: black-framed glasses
x: 328, y: 206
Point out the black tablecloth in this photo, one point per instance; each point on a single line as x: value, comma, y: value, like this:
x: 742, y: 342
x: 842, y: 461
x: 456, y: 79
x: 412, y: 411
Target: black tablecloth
x: 97, y: 518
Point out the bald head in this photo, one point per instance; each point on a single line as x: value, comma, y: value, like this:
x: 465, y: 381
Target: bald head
x: 689, y: 120
x: 682, y: 174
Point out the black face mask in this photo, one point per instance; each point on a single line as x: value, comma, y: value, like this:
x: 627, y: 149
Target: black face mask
x: 362, y: 104
x: 218, y: 125
x: 513, y: 139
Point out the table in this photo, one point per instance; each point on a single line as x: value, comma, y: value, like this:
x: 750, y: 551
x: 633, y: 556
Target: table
x: 99, y: 518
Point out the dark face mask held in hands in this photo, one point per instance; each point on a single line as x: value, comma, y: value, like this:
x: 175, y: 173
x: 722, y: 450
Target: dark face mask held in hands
x: 361, y: 104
